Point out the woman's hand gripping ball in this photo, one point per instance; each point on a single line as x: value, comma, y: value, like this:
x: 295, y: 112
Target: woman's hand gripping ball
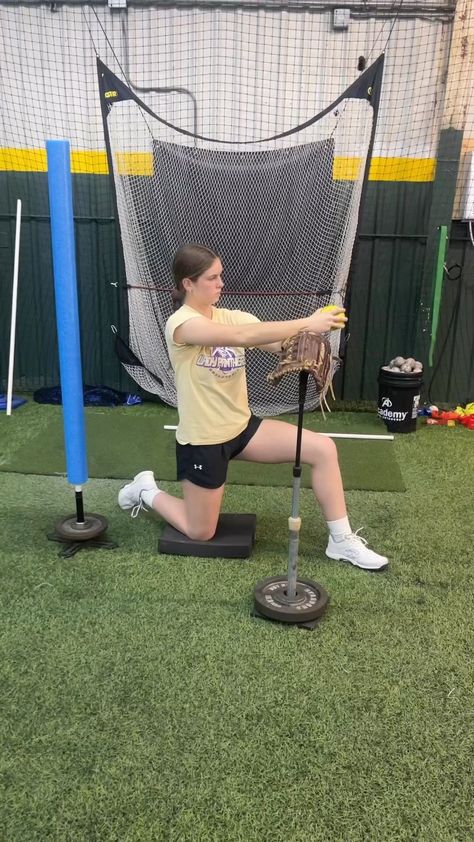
x: 335, y: 316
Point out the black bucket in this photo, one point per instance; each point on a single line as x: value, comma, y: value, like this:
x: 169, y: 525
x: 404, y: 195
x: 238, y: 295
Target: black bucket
x: 399, y: 398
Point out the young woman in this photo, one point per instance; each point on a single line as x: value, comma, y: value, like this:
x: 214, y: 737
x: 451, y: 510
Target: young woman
x: 206, y: 346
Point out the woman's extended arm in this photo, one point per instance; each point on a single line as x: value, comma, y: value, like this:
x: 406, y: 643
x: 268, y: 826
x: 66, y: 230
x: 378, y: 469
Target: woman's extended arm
x: 203, y: 331
x: 272, y: 347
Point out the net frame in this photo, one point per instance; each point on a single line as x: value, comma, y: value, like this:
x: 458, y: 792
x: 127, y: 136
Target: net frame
x: 149, y: 301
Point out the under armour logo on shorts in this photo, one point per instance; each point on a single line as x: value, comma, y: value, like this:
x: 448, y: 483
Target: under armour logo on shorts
x: 198, y: 467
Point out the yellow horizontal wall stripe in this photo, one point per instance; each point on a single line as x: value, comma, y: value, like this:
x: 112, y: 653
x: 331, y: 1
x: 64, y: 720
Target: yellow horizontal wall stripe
x: 23, y: 160
x: 346, y: 169
x: 402, y: 169
x: 386, y: 169
x: 141, y: 163
x: 34, y: 160
x: 134, y: 163
x: 89, y: 162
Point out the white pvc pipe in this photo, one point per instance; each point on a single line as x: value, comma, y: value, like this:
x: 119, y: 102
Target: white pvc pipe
x: 11, y: 362
x: 366, y: 437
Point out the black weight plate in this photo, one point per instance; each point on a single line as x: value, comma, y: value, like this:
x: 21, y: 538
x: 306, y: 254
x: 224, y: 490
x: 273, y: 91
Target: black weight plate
x: 69, y: 528
x: 271, y: 599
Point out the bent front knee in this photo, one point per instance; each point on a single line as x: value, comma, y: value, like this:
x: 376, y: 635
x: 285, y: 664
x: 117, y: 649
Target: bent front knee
x: 326, y: 451
x: 330, y: 448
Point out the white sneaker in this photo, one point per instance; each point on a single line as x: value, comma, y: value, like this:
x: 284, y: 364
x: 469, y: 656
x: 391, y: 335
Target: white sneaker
x: 354, y: 548
x: 130, y: 496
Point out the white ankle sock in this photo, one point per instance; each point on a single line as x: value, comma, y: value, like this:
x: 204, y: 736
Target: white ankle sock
x: 339, y: 528
x: 149, y: 495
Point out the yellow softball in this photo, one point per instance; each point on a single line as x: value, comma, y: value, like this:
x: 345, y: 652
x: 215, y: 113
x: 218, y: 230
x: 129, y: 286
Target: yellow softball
x: 342, y: 319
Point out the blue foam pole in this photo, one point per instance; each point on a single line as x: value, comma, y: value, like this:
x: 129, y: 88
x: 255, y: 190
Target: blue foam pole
x: 67, y: 310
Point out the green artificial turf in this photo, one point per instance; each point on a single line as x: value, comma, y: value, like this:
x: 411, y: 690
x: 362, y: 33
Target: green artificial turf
x: 141, y: 702
x: 123, y: 441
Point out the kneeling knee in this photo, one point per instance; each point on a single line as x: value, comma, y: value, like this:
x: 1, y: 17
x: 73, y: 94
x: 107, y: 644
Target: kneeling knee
x: 201, y: 533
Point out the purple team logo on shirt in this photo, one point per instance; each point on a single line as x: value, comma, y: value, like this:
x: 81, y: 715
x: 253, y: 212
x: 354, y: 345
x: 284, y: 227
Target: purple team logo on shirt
x: 222, y: 362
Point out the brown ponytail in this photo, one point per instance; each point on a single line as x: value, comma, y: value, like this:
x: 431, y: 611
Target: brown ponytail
x: 177, y: 296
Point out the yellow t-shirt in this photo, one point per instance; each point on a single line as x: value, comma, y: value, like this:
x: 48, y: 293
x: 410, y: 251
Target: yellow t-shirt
x: 210, y: 382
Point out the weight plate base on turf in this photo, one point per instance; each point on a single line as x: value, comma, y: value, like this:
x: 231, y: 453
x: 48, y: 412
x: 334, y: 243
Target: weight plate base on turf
x: 310, y: 624
x: 73, y: 547
x: 71, y: 530
x: 271, y: 600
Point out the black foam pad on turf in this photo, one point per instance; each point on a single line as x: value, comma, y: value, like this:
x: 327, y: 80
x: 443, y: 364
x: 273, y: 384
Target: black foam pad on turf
x: 234, y: 538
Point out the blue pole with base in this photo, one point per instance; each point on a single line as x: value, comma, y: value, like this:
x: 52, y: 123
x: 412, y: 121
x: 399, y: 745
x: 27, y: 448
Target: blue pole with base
x: 81, y: 529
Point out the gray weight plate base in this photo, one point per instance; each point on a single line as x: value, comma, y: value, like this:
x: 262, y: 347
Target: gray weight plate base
x: 310, y: 624
x: 73, y: 547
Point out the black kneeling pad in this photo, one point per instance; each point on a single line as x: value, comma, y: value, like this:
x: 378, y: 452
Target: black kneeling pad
x: 234, y: 538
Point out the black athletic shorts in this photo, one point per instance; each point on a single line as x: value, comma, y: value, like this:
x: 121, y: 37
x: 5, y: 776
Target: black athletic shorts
x: 206, y: 464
